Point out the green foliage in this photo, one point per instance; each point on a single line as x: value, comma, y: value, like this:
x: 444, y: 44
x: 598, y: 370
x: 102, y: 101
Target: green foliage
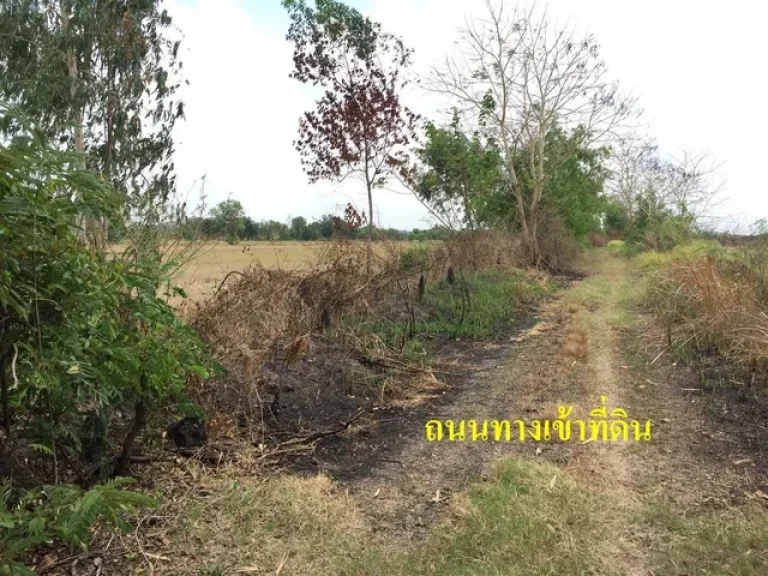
x: 121, y: 91
x: 466, y: 172
x: 61, y: 512
x: 415, y: 259
x: 479, y: 305
x: 229, y: 219
x: 87, y: 334
x: 616, y: 220
x: 575, y: 185
x: 460, y: 171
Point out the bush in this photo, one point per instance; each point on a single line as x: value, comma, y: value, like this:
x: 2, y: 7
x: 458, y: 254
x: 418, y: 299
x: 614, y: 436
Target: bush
x: 60, y: 512
x: 88, y: 347
x: 415, y: 259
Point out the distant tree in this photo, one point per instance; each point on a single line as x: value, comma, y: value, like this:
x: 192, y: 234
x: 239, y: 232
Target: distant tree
x: 663, y: 199
x: 250, y: 229
x: 616, y: 220
x: 299, y: 229
x: 359, y: 126
x: 229, y: 218
x: 322, y: 228
x: 273, y: 231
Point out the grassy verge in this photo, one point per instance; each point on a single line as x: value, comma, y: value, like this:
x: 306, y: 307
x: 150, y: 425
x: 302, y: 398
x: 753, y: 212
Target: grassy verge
x: 479, y: 305
x: 716, y: 544
x: 482, y: 305
x: 529, y: 518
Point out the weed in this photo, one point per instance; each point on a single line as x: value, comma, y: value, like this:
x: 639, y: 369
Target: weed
x: 719, y: 543
x: 480, y: 305
x: 530, y: 519
x: 415, y: 259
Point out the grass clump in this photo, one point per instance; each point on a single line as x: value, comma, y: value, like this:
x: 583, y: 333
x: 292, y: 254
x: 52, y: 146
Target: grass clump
x: 479, y: 305
x: 653, y: 260
x: 617, y: 247
x: 716, y: 544
x: 532, y: 518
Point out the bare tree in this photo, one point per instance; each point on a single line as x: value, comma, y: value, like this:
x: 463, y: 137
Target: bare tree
x: 691, y: 186
x: 522, y: 74
x: 634, y: 161
x: 644, y: 182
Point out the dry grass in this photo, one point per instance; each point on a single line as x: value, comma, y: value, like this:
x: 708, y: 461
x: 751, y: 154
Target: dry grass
x: 213, y: 260
x: 283, y: 524
x: 264, y: 316
x: 263, y: 319
x: 713, y: 304
x: 521, y: 522
x: 576, y: 344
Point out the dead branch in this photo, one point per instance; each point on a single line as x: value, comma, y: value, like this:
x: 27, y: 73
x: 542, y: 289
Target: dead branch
x: 323, y: 433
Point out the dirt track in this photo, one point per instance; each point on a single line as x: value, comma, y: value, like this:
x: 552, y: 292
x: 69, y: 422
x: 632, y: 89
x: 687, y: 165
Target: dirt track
x: 585, y: 344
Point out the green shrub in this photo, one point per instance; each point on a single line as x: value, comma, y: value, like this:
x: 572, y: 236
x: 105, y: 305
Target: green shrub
x: 85, y: 336
x: 415, y: 259
x: 61, y: 512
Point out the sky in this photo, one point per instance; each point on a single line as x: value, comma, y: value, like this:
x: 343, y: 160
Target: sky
x: 697, y: 68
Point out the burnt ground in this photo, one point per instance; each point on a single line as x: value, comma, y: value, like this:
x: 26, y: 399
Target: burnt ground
x: 708, y: 447
x: 401, y: 480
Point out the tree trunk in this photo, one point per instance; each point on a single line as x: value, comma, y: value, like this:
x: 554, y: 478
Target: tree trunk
x: 139, y: 418
x: 87, y: 230
x: 369, y: 256
x: 4, y: 399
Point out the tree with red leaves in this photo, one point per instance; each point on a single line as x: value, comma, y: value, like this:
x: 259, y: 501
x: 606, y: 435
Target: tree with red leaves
x: 359, y: 126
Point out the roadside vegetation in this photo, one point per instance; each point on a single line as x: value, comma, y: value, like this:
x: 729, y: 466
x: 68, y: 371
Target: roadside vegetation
x: 120, y: 394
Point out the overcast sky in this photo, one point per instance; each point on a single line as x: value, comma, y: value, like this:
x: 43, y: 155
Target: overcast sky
x: 698, y: 68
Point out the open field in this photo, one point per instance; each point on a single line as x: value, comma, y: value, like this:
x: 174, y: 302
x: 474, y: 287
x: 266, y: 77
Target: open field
x: 211, y: 261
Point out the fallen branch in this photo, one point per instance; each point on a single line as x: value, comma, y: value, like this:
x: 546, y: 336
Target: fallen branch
x: 323, y: 433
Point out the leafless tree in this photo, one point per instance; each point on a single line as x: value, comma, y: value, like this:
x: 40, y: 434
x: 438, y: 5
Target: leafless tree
x: 644, y: 182
x: 523, y: 75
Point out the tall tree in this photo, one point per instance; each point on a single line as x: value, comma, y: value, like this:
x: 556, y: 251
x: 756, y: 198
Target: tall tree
x: 359, y: 126
x: 526, y: 75
x: 101, y: 75
x: 458, y: 173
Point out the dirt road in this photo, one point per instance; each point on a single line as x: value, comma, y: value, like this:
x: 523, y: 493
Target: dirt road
x: 690, y: 501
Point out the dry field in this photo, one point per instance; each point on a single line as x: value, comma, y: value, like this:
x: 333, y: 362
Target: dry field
x: 211, y: 261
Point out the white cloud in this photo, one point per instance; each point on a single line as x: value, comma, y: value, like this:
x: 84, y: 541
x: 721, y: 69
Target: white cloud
x: 695, y: 65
